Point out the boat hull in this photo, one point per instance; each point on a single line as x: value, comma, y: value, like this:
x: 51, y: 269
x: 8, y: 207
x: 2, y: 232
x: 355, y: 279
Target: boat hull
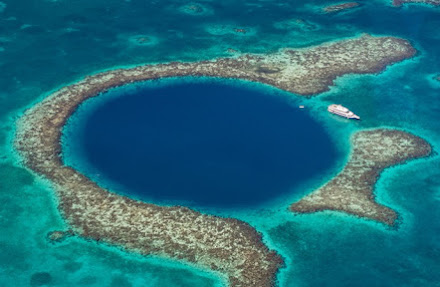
x: 342, y: 112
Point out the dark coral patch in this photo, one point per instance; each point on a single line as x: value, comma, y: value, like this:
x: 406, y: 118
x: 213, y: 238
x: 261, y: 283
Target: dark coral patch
x: 40, y: 279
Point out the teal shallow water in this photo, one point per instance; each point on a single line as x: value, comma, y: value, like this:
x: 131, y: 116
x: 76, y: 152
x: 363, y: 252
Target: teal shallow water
x: 46, y: 44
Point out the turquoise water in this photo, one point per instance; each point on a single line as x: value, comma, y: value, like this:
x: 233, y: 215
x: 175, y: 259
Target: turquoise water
x: 47, y: 44
x: 209, y: 143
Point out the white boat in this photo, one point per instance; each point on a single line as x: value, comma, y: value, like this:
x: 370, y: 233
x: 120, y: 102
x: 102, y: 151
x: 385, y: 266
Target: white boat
x: 342, y: 111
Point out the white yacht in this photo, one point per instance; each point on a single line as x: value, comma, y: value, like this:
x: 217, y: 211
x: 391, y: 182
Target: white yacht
x: 342, y: 111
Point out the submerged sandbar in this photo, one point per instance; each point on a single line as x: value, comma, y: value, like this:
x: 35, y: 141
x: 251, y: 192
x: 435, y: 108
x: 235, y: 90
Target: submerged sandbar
x: 223, y: 244
x: 351, y: 191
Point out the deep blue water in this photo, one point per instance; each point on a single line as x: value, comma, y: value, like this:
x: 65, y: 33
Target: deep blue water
x: 210, y: 143
x: 45, y: 44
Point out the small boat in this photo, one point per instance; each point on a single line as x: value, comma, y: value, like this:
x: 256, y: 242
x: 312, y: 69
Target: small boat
x: 342, y: 112
x: 301, y: 107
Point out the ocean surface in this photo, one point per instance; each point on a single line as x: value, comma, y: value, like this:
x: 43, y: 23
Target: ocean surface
x: 209, y: 143
x: 47, y: 44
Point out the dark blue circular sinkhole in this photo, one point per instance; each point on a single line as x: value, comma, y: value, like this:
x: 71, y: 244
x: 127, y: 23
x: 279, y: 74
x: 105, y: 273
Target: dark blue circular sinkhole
x: 213, y: 143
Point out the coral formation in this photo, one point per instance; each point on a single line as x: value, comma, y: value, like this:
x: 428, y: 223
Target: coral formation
x: 402, y: 2
x: 351, y: 191
x: 59, y: 235
x: 340, y: 7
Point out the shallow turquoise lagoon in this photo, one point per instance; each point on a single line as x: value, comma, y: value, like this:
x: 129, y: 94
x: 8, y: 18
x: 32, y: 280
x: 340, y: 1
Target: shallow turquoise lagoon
x: 47, y: 44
